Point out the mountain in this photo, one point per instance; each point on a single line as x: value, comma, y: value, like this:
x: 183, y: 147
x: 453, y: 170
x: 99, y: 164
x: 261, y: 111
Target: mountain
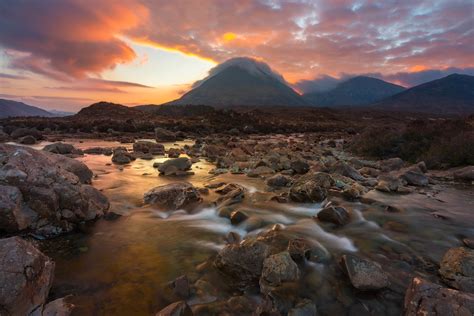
x: 356, y: 91
x: 108, y: 110
x: 453, y: 94
x: 10, y: 108
x: 241, y: 81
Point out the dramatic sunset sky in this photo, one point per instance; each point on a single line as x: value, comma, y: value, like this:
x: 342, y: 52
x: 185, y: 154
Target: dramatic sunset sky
x: 65, y: 54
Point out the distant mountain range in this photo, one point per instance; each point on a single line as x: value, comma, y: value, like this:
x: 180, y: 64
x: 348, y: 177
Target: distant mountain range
x: 356, y: 91
x: 241, y: 82
x: 453, y: 94
x: 10, y: 108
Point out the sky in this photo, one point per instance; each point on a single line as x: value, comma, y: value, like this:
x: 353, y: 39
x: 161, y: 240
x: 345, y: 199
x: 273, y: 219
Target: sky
x: 66, y: 54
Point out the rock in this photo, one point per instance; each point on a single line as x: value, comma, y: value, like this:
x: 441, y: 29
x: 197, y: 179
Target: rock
x: 27, y: 140
x: 121, y: 156
x: 279, y: 180
x: 98, y: 151
x: 364, y: 274
x: 45, y: 189
x: 299, y: 249
x: 260, y: 171
x: 426, y: 298
x: 26, y: 275
x: 304, y: 307
x: 355, y: 191
x: 279, y: 268
x: 311, y: 187
x: 176, y: 309
x: 464, y: 174
x: 174, y: 195
x: 390, y: 164
x: 233, y: 238
x: 334, y: 214
x: 58, y: 307
x: 468, y: 242
x: 232, y: 193
x: 457, y: 268
x: 181, y: 286
x: 299, y: 166
x: 175, y: 166
x: 62, y: 149
x: 345, y: 170
x: 147, y: 147
x: 237, y: 217
x: 415, y: 178
x: 243, y: 262
x: 164, y: 135
x: 174, y: 152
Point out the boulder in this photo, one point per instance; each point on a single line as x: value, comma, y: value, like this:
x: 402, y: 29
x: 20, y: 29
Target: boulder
x: 147, y: 147
x: 391, y: 164
x: 164, y: 135
x: 26, y: 275
x: 464, y: 174
x: 175, y: 166
x: 121, y: 156
x: 237, y: 217
x: 364, y: 274
x: 176, y: 309
x: 345, y: 170
x: 62, y: 149
x: 174, y: 195
x: 416, y: 178
x: 334, y: 214
x: 231, y: 193
x: 279, y: 268
x: 279, y: 180
x: 243, y: 262
x: 27, y: 140
x: 174, y: 152
x: 426, y: 298
x: 299, y: 249
x: 311, y: 187
x: 457, y: 268
x: 99, y: 151
x: 299, y: 166
x: 47, y: 191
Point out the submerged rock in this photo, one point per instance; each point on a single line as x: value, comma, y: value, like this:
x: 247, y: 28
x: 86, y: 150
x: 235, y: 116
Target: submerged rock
x: 174, y: 195
x: 364, y: 274
x: 457, y: 268
x: 26, y: 275
x: 311, y: 187
x: 426, y: 298
x: 46, y: 192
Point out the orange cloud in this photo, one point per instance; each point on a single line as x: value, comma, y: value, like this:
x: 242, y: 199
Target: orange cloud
x: 417, y: 68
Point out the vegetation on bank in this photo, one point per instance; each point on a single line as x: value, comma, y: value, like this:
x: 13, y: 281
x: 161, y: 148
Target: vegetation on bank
x: 439, y: 143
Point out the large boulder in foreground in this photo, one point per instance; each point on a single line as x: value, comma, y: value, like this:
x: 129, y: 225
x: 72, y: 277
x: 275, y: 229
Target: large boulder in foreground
x: 174, y: 195
x: 311, y: 187
x: 426, y: 298
x: 457, y: 268
x: 26, y: 275
x: 45, y: 193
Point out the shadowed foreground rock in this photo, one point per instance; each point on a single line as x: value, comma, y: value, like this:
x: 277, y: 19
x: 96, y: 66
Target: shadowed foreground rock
x: 426, y: 298
x: 26, y: 275
x: 45, y: 193
x: 457, y: 268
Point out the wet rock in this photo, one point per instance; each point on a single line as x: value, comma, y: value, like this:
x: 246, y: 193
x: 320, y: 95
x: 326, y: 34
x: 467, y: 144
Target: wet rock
x: 147, y: 147
x: 58, y: 307
x: 299, y: 249
x: 334, y: 214
x: 260, y: 171
x: 345, y: 170
x: 175, y: 166
x: 457, y: 268
x: 232, y: 193
x: 354, y: 191
x: 26, y: 275
x: 181, y: 287
x: 468, y: 242
x: 27, y: 140
x: 299, y: 166
x: 51, y: 186
x: 311, y: 187
x: 164, y: 135
x: 176, y: 309
x: 174, y: 195
x: 364, y: 274
x: 303, y: 308
x: 464, y: 174
x: 243, y: 262
x: 121, y: 156
x: 426, y: 298
x: 416, y: 178
x: 233, y: 238
x: 98, y: 151
x: 279, y: 180
x: 174, y: 152
x: 388, y: 183
x: 62, y: 149
x: 279, y: 268
x: 237, y: 217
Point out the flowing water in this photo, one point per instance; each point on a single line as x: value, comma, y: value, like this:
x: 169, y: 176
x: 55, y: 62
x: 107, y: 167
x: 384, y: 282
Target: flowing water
x: 119, y: 267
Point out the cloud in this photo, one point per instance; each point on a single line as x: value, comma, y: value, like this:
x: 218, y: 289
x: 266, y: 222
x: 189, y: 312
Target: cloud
x: 10, y: 76
x: 68, y: 38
